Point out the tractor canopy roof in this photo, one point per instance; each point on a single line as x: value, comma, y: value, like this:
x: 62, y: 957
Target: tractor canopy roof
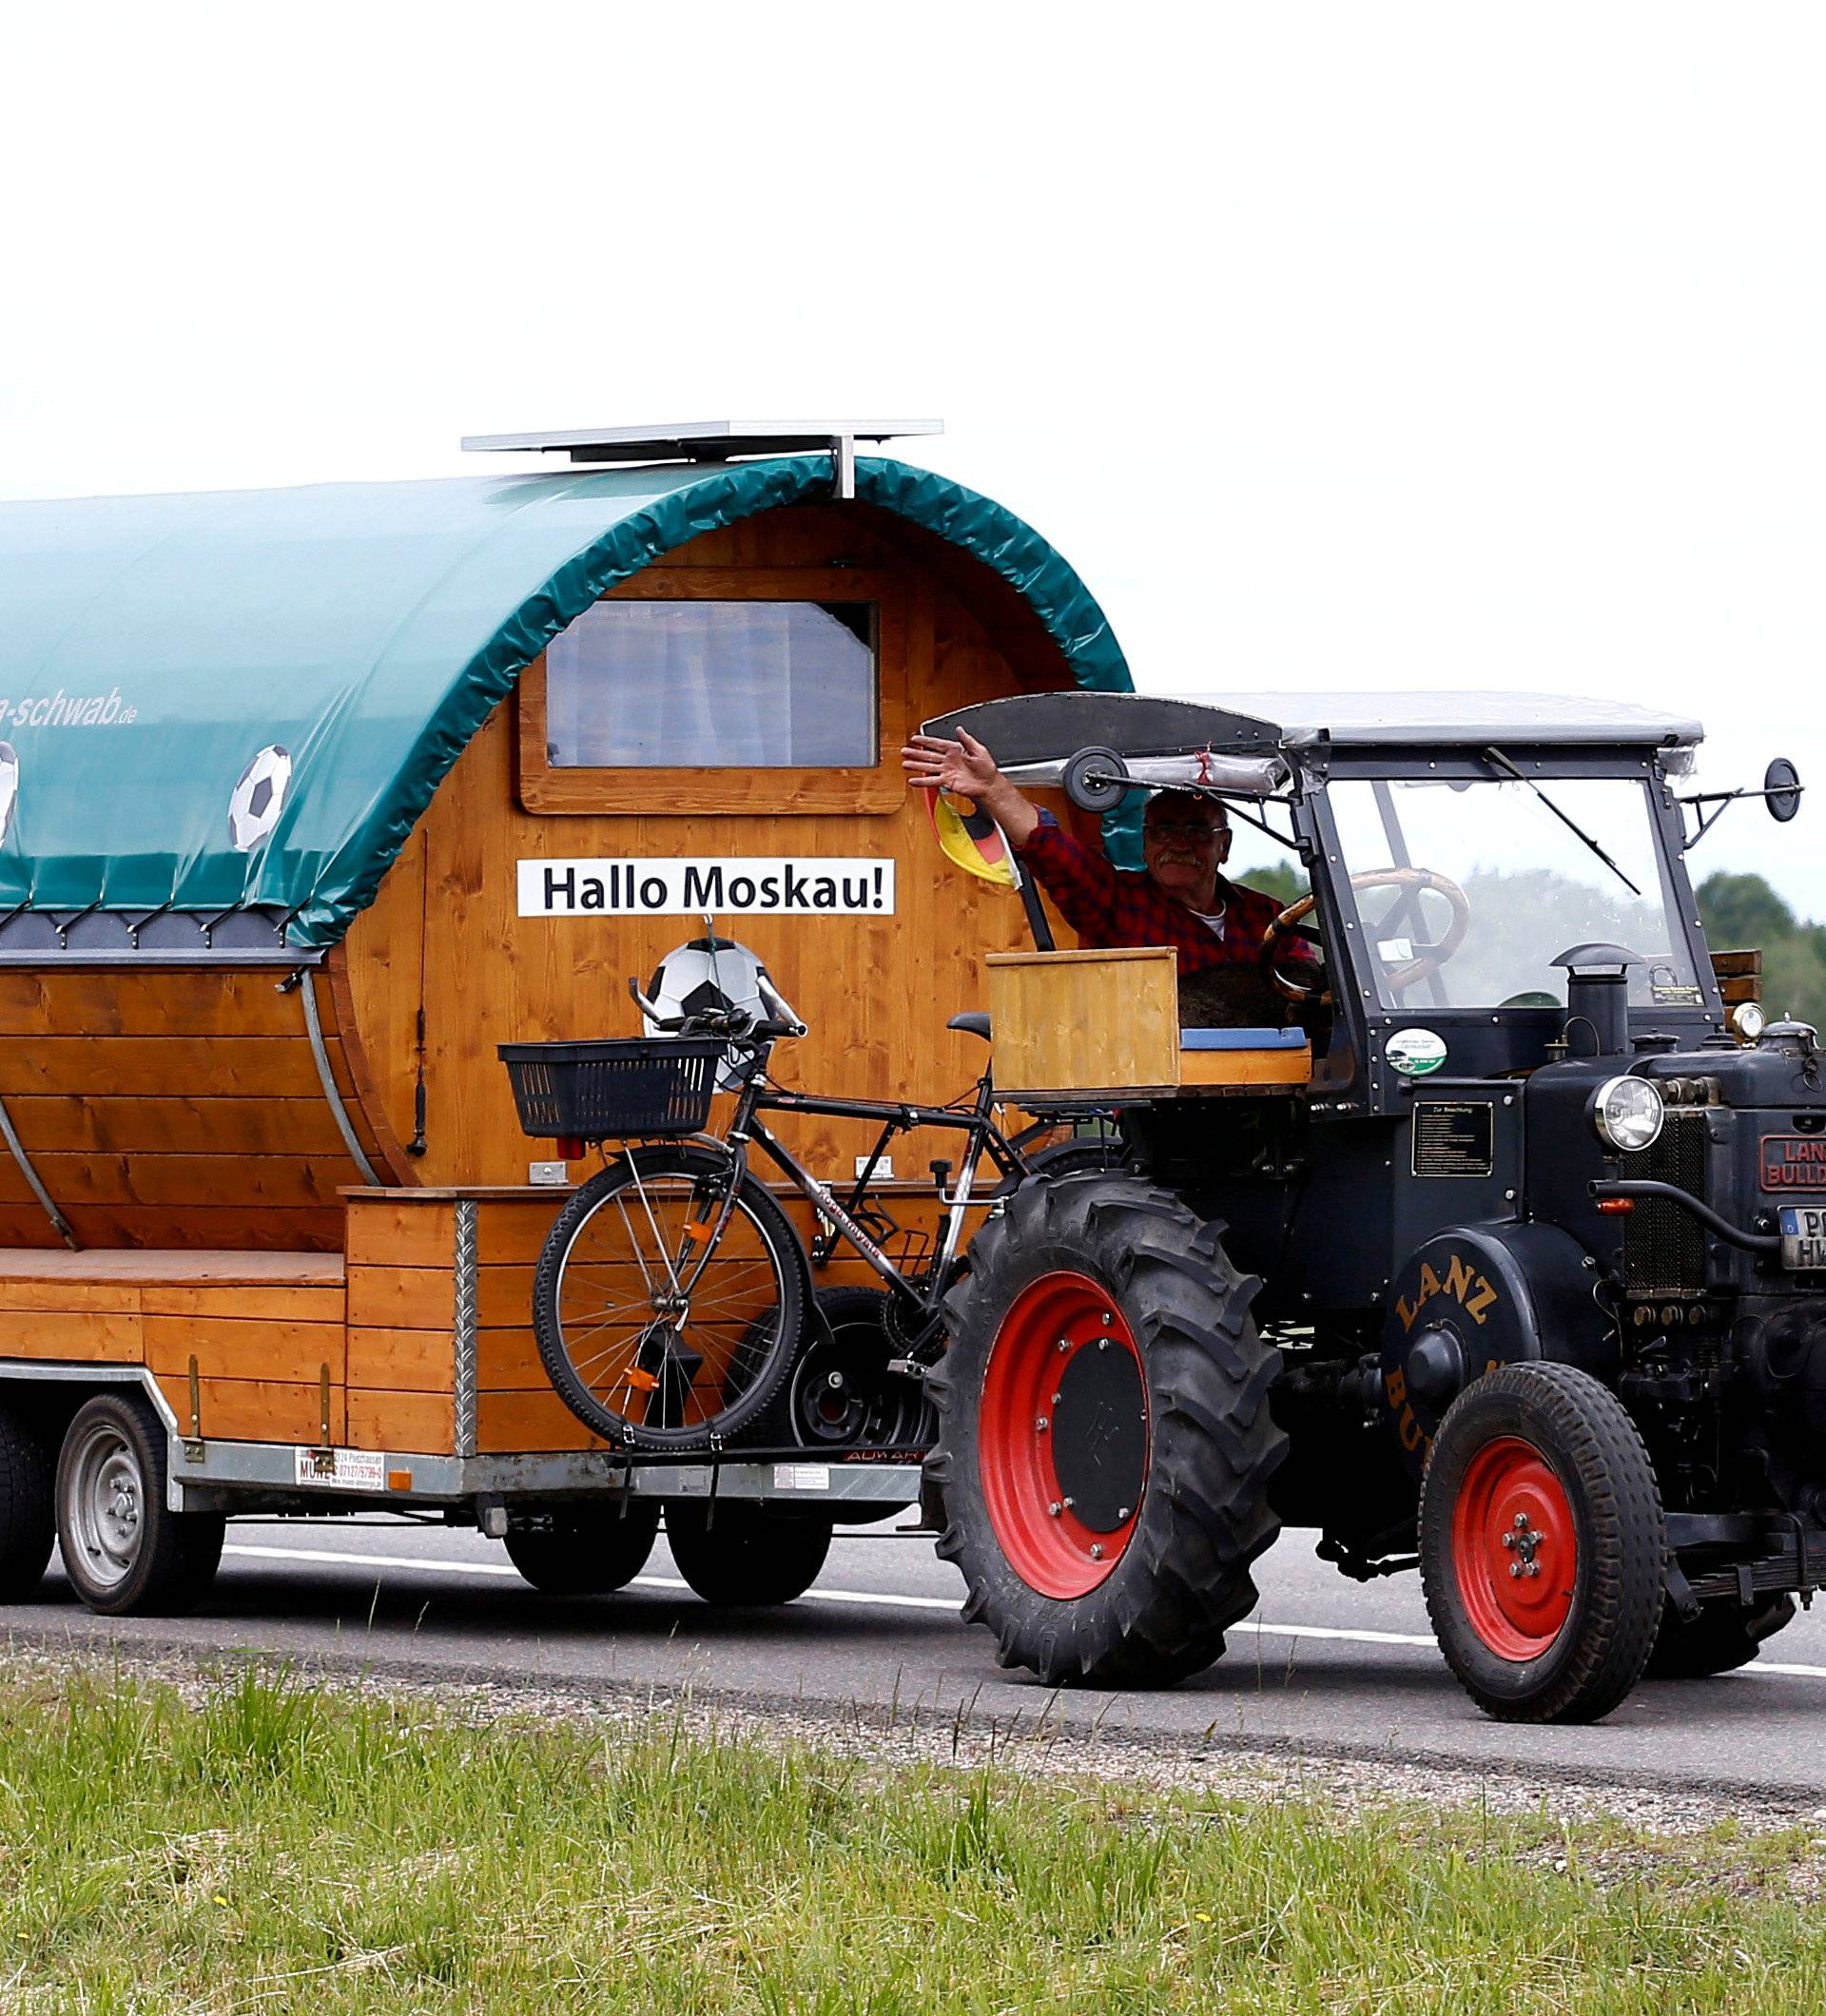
x: 224, y: 712
x: 1397, y: 721
x: 1248, y: 743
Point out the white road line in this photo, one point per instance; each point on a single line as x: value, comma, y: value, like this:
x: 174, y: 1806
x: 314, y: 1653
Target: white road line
x: 883, y: 1599
x: 330, y: 1558
x: 1325, y: 1631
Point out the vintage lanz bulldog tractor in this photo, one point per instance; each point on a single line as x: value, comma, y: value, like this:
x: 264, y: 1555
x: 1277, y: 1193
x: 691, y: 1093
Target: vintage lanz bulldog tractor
x: 1518, y: 1277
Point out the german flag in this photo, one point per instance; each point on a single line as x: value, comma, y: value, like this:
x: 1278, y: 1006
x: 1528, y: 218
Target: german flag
x: 974, y: 841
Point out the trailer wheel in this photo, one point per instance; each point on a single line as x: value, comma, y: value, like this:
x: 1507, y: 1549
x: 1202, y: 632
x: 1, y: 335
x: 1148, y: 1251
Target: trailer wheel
x: 1543, y: 1547
x: 586, y: 1550
x: 1720, y: 1639
x: 1105, y: 1443
x: 126, y: 1552
x: 744, y: 1555
x: 28, y: 1525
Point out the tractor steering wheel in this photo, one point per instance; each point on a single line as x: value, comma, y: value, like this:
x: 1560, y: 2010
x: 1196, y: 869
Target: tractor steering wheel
x: 1290, y: 922
x: 1427, y: 960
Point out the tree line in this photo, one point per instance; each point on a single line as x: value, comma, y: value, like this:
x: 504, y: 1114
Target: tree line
x: 1739, y: 911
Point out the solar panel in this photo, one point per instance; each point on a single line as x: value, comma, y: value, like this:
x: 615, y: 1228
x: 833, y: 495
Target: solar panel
x: 694, y: 441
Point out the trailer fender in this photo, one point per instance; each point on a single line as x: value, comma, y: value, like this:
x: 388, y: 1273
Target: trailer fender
x: 1471, y: 1298
x: 62, y: 1389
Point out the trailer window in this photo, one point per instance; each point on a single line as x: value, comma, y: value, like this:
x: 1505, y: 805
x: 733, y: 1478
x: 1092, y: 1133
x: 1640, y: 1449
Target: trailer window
x: 737, y: 686
x: 766, y: 692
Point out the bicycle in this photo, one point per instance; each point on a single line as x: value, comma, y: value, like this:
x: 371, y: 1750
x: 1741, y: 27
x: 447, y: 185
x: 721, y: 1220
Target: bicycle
x: 673, y: 1292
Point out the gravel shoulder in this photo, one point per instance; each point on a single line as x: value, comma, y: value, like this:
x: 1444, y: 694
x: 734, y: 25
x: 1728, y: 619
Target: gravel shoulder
x: 1053, y: 1739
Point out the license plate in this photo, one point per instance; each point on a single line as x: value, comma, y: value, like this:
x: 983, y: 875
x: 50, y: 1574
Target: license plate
x: 1803, y: 1236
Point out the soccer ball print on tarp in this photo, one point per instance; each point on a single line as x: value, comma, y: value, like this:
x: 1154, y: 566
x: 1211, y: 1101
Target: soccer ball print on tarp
x: 256, y: 802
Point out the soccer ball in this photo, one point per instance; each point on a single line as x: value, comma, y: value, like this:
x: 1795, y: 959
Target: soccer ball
x: 8, y: 785
x: 256, y: 802
x: 709, y: 976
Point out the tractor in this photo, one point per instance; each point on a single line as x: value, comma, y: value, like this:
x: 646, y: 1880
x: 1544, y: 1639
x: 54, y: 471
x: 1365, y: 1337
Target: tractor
x: 1517, y: 1275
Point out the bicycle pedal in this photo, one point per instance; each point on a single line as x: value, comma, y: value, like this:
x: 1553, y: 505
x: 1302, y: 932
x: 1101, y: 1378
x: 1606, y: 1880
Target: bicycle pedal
x: 908, y: 1368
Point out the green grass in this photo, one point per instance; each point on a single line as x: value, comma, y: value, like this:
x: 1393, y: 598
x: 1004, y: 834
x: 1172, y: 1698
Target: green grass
x: 269, y: 1847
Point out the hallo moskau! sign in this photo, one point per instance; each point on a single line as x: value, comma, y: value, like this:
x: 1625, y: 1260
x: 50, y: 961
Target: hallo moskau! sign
x: 738, y: 886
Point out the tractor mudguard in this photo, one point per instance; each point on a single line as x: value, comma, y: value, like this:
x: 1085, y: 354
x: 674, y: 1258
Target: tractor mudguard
x: 1474, y: 1297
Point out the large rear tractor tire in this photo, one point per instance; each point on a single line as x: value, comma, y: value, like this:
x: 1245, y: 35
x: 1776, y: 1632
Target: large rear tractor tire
x: 745, y: 1555
x: 586, y: 1550
x: 1542, y: 1546
x: 126, y: 1552
x: 27, y: 1524
x: 1720, y: 1639
x: 1105, y: 1443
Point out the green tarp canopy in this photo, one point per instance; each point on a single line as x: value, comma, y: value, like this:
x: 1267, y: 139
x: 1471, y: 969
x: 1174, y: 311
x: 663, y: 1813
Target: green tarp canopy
x: 175, y: 668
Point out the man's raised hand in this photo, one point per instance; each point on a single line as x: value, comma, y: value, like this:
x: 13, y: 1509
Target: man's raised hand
x: 963, y: 765
x: 936, y: 763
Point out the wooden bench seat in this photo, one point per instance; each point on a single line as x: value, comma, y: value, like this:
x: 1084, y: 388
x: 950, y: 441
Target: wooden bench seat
x: 135, y: 1266
x: 264, y: 1331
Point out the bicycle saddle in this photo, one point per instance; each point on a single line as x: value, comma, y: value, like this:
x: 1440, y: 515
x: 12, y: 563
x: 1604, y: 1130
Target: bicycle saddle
x: 975, y: 1023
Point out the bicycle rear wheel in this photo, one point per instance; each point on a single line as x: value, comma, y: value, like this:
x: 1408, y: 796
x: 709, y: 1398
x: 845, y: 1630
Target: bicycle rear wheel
x: 668, y: 1299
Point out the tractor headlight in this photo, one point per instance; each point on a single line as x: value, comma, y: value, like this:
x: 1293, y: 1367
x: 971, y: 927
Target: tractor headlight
x: 1628, y: 1113
x: 1748, y: 1023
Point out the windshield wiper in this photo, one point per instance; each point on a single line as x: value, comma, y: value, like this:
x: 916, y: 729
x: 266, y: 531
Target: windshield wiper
x: 1497, y: 761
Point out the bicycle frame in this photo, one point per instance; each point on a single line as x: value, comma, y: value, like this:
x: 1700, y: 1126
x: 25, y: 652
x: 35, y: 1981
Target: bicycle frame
x: 897, y: 1118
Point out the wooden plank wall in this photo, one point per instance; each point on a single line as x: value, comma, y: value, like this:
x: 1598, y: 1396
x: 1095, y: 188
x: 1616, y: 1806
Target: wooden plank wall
x: 270, y: 1330
x: 402, y: 1352
x: 401, y: 1317
x: 877, y: 991
x: 173, y: 1107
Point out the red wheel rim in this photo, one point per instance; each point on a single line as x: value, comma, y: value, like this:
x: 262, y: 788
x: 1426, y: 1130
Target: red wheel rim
x: 1050, y: 1324
x: 1515, y: 1548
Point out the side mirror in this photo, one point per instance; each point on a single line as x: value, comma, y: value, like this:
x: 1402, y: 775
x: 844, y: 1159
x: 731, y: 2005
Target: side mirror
x: 1781, y: 789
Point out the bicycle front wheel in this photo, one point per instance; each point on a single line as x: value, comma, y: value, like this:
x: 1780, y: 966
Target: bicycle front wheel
x: 668, y: 1299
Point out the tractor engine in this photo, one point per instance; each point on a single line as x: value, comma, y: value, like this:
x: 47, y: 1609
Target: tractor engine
x: 1713, y: 1238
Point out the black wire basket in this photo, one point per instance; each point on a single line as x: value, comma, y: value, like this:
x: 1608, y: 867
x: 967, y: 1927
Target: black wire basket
x: 594, y: 1092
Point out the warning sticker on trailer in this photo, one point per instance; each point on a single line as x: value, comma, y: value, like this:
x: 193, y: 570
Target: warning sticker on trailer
x: 740, y: 885
x: 352, y: 1469
x: 800, y: 1477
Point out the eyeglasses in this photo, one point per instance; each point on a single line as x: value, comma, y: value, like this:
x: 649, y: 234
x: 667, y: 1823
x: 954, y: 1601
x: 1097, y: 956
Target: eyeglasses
x: 1181, y: 829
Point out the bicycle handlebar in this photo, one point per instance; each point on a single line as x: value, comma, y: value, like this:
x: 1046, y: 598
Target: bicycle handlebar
x: 737, y: 1024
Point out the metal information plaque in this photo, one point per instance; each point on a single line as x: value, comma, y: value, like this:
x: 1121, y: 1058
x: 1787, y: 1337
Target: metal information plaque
x: 1454, y: 1139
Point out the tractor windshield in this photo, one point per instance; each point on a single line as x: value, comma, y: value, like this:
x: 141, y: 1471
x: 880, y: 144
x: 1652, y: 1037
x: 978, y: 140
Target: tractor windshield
x: 1465, y: 888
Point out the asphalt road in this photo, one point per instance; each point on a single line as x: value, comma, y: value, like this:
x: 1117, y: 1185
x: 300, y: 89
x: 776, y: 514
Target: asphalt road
x: 1323, y: 1665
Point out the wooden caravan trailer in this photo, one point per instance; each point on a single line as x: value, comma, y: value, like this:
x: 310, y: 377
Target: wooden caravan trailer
x: 313, y: 797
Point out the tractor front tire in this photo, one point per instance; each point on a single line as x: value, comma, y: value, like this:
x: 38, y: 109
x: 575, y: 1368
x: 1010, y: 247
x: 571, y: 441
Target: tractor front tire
x: 1542, y: 1545
x: 1105, y: 1443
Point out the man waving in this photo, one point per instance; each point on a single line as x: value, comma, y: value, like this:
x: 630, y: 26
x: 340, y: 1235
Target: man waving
x: 1179, y: 898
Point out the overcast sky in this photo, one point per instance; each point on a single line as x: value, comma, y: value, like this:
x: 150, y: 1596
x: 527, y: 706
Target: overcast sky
x: 1335, y: 345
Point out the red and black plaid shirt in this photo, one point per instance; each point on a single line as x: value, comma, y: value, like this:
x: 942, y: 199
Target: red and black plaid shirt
x: 1109, y: 907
